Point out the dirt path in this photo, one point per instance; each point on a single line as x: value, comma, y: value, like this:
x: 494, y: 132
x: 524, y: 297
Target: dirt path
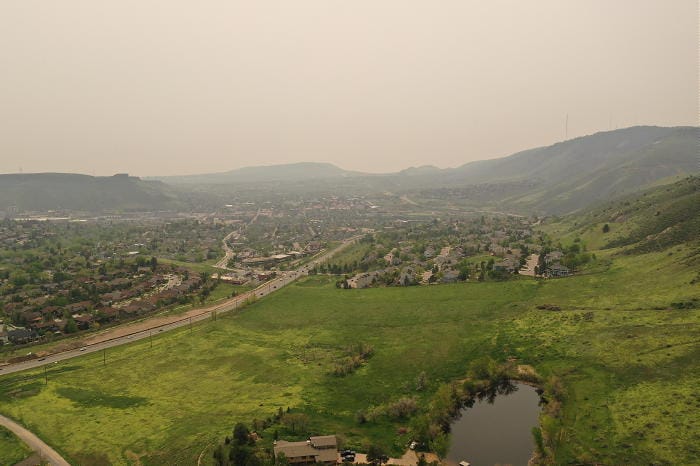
x: 35, y: 443
x: 529, y: 268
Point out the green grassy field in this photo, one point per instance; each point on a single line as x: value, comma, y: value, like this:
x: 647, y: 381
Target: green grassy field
x: 12, y: 449
x: 628, y: 363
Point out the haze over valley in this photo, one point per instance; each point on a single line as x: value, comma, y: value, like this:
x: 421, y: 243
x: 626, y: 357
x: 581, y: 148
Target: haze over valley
x: 333, y: 233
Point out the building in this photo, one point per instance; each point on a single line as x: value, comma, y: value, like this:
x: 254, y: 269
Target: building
x: 362, y: 280
x: 558, y: 270
x: 321, y: 449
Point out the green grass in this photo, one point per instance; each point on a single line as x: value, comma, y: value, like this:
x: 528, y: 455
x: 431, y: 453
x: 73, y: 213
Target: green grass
x: 351, y: 254
x: 631, y: 371
x: 12, y: 449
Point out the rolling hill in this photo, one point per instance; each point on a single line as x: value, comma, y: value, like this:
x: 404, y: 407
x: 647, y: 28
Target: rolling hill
x: 63, y: 191
x: 556, y: 179
x: 653, y: 220
x: 293, y: 172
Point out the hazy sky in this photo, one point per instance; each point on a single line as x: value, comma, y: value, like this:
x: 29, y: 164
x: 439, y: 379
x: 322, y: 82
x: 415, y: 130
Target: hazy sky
x: 183, y: 86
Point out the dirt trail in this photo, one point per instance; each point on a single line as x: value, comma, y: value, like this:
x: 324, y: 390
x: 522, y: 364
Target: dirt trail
x: 47, y: 453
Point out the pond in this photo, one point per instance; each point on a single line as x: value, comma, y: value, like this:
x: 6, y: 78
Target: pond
x: 497, y: 430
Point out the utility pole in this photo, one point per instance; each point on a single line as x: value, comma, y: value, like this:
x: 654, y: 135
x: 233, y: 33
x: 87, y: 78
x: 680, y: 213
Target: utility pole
x: 190, y: 324
x: 150, y: 337
x: 46, y: 376
x: 104, y: 356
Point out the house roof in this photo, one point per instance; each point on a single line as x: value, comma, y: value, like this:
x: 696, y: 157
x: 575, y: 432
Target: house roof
x: 301, y: 449
x: 324, y: 441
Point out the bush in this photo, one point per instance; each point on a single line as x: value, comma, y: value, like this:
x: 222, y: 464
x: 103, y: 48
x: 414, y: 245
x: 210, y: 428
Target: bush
x: 402, y: 408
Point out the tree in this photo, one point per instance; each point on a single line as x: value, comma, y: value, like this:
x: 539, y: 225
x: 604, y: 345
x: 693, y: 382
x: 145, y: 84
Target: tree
x: 375, y: 453
x: 241, y: 434
x: 281, y: 459
x: 606, y: 228
x: 440, y: 444
x: 154, y: 263
x: 71, y: 326
x: 239, y: 454
x: 295, y: 421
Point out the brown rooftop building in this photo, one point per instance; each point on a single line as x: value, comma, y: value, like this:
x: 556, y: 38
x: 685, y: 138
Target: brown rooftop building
x: 321, y: 449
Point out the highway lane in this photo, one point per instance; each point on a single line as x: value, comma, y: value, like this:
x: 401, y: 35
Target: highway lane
x: 282, y: 280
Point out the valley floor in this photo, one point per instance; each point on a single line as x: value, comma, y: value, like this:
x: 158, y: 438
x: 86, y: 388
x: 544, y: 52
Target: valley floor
x: 628, y: 361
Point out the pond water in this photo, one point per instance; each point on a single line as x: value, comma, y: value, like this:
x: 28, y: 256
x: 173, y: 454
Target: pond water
x: 498, y: 433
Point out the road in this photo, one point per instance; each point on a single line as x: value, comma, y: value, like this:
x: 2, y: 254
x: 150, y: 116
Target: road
x: 47, y: 453
x: 146, y: 329
x: 228, y: 252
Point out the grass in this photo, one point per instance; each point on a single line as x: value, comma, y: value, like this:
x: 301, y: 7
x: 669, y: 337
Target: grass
x: 631, y: 371
x: 12, y: 449
x: 352, y: 254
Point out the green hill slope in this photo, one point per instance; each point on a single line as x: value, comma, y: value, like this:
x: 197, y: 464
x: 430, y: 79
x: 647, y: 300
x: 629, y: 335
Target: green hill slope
x: 575, y: 174
x: 653, y: 220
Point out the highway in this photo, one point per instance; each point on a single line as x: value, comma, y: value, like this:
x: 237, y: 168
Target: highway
x: 283, y: 279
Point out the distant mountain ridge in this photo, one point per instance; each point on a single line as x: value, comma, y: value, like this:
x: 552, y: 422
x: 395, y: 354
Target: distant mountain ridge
x: 58, y: 191
x: 560, y: 178
x: 557, y: 179
x: 265, y: 173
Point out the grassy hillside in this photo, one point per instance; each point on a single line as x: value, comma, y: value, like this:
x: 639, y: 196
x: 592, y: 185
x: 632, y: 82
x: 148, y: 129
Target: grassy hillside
x: 627, y: 358
x: 574, y: 174
x: 653, y: 220
x: 59, y: 191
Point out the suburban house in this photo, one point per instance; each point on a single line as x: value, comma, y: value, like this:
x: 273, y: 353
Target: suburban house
x: 362, y: 280
x: 321, y: 449
x: 509, y: 264
x: 558, y: 270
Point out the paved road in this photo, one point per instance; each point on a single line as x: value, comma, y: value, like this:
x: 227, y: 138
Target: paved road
x: 162, y: 324
x: 35, y: 443
x: 228, y: 252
